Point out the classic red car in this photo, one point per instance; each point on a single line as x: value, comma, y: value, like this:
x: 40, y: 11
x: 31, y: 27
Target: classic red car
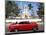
x: 23, y: 26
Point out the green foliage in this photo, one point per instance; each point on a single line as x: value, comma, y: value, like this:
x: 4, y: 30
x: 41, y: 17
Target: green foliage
x: 41, y: 9
x: 11, y: 6
x: 29, y: 6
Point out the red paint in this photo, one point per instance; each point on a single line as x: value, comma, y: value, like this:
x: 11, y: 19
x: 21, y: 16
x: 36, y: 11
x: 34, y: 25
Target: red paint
x: 25, y: 25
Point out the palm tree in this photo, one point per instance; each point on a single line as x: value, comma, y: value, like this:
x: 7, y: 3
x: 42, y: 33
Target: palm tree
x: 30, y: 6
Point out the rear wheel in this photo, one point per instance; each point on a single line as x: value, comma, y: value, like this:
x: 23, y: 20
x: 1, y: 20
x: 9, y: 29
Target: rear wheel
x: 12, y: 30
x: 16, y: 30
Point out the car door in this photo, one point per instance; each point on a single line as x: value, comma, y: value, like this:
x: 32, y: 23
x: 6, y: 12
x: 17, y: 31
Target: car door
x: 28, y: 26
x: 25, y: 26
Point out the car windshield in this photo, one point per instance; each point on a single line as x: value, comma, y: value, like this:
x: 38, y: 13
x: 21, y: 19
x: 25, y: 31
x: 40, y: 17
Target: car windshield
x: 24, y: 23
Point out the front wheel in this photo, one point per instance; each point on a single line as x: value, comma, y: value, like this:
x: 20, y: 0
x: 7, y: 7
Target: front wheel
x: 35, y: 29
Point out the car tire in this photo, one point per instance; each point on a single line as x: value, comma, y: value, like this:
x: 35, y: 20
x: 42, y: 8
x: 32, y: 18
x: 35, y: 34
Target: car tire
x: 35, y: 29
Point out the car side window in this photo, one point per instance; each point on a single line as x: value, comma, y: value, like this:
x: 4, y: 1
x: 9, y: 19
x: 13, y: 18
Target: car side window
x: 21, y: 23
x: 27, y: 23
x: 24, y: 23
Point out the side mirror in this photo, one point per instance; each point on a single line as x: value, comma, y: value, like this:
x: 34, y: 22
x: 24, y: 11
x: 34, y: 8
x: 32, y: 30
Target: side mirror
x: 16, y: 22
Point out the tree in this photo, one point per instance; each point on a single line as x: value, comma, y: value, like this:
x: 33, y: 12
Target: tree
x: 41, y: 9
x: 29, y: 6
x: 11, y: 6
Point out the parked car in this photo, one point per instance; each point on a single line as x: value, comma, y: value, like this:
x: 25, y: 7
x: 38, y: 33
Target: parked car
x: 23, y: 26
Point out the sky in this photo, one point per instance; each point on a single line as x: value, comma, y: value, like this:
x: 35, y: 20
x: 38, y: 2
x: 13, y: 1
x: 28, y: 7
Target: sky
x: 25, y: 3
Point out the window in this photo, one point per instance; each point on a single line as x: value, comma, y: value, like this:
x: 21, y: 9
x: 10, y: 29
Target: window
x: 24, y: 23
